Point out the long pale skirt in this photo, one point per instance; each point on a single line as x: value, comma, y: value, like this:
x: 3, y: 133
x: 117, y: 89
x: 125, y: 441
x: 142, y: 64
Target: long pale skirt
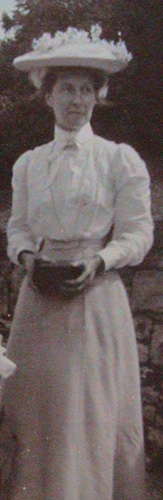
x: 71, y: 421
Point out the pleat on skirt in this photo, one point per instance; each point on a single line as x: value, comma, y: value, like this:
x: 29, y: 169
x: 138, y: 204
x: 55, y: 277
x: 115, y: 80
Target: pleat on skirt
x: 71, y: 424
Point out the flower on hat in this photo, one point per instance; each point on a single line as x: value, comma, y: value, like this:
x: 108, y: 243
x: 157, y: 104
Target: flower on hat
x: 120, y: 51
x: 95, y: 32
x: 78, y: 36
x: 46, y: 42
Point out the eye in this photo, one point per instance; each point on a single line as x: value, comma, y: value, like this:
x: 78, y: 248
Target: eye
x: 87, y: 89
x: 67, y: 87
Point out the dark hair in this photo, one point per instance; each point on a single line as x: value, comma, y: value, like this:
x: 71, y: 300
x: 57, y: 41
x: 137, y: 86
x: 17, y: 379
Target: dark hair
x: 98, y: 77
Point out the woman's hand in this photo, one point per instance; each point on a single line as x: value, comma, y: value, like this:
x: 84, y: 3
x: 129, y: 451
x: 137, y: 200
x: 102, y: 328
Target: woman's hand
x: 93, y: 267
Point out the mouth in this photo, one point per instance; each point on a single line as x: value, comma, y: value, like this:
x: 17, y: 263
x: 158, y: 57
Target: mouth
x: 76, y: 112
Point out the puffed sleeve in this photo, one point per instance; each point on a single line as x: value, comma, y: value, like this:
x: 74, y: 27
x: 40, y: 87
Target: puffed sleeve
x: 18, y: 233
x: 133, y: 225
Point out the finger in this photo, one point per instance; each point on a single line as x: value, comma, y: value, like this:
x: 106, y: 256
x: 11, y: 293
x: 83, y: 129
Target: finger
x: 74, y: 288
x: 80, y: 278
x: 76, y: 263
x: 71, y: 288
x: 75, y: 283
x: 86, y: 275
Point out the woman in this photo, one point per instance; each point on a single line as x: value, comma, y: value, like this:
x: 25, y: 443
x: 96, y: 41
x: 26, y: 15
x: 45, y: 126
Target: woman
x: 72, y: 410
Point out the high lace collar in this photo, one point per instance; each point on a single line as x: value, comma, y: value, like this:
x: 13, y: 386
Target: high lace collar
x: 78, y: 137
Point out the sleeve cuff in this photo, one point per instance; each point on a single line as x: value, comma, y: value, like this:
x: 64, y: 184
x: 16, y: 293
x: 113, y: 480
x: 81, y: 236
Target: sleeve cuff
x: 26, y: 248
x: 115, y: 255
x: 20, y: 253
x: 13, y: 253
x: 109, y: 257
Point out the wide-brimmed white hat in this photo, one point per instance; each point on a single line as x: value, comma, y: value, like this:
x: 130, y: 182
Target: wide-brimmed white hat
x: 73, y: 48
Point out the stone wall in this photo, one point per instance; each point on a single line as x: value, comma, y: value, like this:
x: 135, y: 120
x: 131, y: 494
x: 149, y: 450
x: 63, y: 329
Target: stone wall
x: 148, y: 316
x: 145, y: 289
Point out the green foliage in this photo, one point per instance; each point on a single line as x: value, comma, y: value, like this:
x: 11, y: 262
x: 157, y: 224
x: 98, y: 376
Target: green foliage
x: 135, y: 114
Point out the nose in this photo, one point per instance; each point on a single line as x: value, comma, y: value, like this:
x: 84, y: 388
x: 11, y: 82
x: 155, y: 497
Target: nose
x: 77, y: 96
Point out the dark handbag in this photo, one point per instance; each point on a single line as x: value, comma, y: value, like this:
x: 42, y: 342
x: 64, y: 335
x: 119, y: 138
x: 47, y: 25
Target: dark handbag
x: 48, y: 276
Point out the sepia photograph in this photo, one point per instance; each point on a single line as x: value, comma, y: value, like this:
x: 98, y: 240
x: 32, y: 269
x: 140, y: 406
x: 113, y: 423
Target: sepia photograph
x: 81, y: 260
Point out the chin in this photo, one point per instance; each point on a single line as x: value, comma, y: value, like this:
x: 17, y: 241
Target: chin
x: 73, y: 124
x: 76, y: 124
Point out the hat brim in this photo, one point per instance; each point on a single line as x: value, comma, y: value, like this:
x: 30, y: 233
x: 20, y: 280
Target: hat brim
x: 90, y: 56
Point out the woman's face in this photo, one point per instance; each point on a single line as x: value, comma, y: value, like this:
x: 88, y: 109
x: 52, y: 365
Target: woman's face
x: 72, y: 100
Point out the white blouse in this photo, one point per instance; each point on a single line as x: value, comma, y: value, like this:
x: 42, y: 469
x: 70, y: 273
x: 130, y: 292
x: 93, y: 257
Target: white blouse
x: 76, y: 188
